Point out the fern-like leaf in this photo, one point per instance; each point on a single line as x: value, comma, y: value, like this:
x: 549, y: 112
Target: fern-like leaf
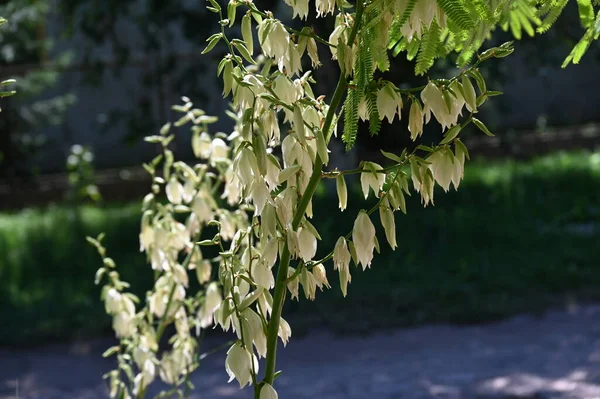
x: 428, y: 51
x: 554, y: 11
x: 350, y: 119
x: 374, y: 117
x: 457, y: 13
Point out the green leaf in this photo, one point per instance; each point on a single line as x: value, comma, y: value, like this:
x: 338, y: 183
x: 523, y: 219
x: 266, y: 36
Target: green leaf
x: 475, y: 74
x: 391, y: 156
x: 215, y: 4
x: 212, y: 42
x: 241, y: 48
x: 482, y: 127
x: 451, y: 134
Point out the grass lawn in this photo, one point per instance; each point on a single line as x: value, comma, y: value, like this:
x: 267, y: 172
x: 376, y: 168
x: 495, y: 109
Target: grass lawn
x: 517, y: 236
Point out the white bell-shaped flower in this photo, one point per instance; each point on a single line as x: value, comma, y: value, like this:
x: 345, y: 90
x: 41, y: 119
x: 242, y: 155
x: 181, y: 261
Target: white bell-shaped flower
x: 219, y: 150
x: 325, y: 7
x: 112, y: 302
x: 123, y: 324
x: 389, y: 102
x: 442, y: 167
x: 201, y: 145
x: 415, y: 120
x: 371, y: 179
x: 300, y: 8
x: 238, y: 364
x: 174, y: 191
x: 285, y: 331
x: 320, y: 276
x: 307, y: 244
x: 363, y: 236
x: 268, y: 392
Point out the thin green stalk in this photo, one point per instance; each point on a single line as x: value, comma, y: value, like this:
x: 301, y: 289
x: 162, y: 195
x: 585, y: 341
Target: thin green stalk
x: 280, y: 285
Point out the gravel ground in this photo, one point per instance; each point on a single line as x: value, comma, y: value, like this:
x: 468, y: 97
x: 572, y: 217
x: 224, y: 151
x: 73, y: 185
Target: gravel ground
x: 554, y: 356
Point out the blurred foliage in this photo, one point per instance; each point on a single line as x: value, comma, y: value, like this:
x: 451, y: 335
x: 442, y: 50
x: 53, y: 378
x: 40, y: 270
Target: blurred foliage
x: 81, y: 178
x: 516, y: 237
x: 24, y: 45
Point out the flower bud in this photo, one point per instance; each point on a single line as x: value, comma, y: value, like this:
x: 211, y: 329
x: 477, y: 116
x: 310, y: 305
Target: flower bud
x: 313, y: 53
x: 342, y: 192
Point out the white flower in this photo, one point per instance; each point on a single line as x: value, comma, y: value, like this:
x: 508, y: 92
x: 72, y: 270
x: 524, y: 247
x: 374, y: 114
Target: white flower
x: 341, y: 263
x: 189, y: 190
x: 443, y: 168
x: 325, y: 7
x: 293, y: 284
x: 260, y: 195
x: 123, y: 325
x: 203, y: 271
x: 146, y: 233
x: 320, y: 276
x: 219, y: 150
x: 309, y: 284
x: 262, y: 275
x: 269, y: 254
x: 335, y: 38
x: 274, y: 38
x: 239, y: 364
x: 307, y: 244
x: 113, y: 302
x: 300, y: 8
x: 202, y: 208
x: 371, y: 179
x: 174, y: 191
x: 363, y: 236
x: 285, y: 331
x: 389, y: 102
x: 415, y: 121
x: 212, y: 301
x: 256, y: 331
x: 284, y: 88
x: 290, y: 63
x: 201, y: 144
x: 433, y: 99
x: 268, y: 392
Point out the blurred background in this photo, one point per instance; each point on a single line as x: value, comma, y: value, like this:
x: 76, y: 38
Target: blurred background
x: 94, y: 77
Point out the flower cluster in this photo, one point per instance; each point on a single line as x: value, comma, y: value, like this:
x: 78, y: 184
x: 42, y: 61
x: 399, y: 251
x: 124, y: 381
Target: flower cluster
x: 240, y: 219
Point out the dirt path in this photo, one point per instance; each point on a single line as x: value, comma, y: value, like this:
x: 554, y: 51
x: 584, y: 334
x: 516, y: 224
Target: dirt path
x: 556, y: 356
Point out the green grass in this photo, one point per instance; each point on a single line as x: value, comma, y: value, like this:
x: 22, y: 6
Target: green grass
x: 517, y: 236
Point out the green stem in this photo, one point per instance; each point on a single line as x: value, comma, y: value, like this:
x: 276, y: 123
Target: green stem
x: 282, y: 271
